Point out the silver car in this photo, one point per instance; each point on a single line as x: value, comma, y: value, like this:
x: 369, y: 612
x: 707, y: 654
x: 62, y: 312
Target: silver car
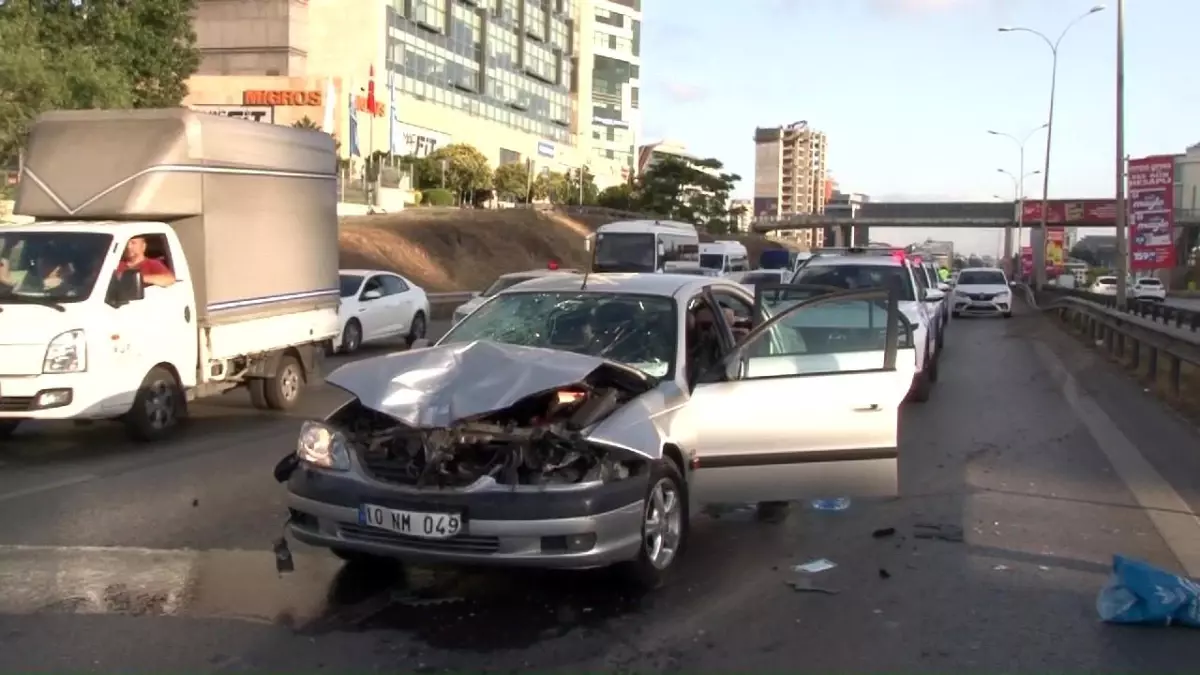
x: 502, y: 282
x: 570, y: 423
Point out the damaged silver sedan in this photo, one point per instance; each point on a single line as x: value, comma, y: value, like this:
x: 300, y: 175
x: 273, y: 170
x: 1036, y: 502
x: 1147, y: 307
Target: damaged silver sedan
x: 576, y: 423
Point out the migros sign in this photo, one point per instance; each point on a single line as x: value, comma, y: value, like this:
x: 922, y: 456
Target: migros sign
x: 302, y: 98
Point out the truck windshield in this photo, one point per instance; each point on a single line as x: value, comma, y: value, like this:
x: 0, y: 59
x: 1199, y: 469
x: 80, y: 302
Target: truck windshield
x: 58, y: 267
x: 625, y: 252
x: 713, y: 261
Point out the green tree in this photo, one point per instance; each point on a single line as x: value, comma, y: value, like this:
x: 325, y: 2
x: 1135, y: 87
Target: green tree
x: 576, y: 194
x: 511, y: 182
x: 466, y: 170
x: 306, y: 122
x: 555, y: 186
x: 694, y: 191
x: 622, y: 197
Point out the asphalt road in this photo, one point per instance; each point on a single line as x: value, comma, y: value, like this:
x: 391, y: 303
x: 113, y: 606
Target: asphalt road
x: 116, y: 559
x: 1186, y: 303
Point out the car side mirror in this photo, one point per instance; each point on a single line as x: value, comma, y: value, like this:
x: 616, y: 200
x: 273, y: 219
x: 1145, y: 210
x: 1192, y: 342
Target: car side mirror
x: 421, y: 343
x: 934, y: 295
x: 372, y: 294
x: 945, y: 287
x: 128, y: 288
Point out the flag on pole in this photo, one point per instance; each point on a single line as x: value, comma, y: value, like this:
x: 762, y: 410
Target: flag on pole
x: 353, y: 132
x: 371, y: 108
x: 391, y: 85
x: 330, y: 106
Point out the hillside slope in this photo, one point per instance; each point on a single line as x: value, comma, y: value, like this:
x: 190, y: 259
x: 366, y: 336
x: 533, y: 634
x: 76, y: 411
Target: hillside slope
x: 465, y: 249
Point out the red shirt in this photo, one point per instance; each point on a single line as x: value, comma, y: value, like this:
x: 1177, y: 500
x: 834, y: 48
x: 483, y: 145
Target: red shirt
x: 148, y: 267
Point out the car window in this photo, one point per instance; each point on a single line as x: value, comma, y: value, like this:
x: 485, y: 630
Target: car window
x: 982, y: 278
x: 831, y: 336
x: 393, y: 285
x: 1149, y: 282
x: 1106, y: 281
x: 853, y: 277
x: 373, y: 284
x: 636, y: 330
x: 503, y: 283
x: 349, y: 284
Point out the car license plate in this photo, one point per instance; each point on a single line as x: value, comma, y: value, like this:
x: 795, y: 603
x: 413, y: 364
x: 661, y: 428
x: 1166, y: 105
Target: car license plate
x: 411, y: 523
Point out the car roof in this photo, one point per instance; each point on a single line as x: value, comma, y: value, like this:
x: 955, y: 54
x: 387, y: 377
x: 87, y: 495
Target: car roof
x: 873, y: 260
x: 539, y: 273
x: 982, y: 269
x: 363, y: 273
x: 665, y: 285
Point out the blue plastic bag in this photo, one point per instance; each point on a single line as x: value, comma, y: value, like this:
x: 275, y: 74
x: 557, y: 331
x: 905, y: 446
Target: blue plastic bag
x: 1139, y: 593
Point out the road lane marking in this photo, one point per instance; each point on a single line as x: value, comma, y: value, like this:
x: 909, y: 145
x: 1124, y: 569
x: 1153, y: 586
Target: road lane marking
x: 1170, y: 514
x: 47, y: 487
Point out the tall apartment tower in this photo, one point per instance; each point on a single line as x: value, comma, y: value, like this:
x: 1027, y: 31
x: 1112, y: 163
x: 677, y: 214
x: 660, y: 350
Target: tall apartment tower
x: 789, y: 175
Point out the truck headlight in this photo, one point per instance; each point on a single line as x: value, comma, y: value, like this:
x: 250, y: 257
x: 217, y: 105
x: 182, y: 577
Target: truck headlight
x: 67, y: 353
x: 321, y: 446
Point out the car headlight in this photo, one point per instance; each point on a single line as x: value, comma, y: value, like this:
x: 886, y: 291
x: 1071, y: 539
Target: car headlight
x: 322, y: 446
x: 66, y: 353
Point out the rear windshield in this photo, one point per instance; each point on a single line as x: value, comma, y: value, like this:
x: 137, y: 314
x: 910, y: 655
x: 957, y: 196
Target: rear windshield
x: 1149, y: 282
x: 1106, y: 280
x: 981, y: 278
x: 857, y: 277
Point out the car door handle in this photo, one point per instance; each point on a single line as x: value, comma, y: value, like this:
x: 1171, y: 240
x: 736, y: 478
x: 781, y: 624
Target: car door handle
x: 361, y: 310
x: 874, y: 407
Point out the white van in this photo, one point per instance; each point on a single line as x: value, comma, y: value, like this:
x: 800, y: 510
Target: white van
x: 725, y: 257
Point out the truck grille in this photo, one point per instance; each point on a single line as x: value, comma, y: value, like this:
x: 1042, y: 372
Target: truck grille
x: 15, y: 403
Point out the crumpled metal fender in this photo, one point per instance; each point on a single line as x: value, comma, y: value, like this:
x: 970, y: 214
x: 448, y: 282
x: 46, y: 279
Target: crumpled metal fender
x: 640, y: 426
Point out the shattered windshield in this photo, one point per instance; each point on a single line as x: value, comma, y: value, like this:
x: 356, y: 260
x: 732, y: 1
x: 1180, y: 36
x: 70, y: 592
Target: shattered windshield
x: 61, y: 267
x: 635, y: 330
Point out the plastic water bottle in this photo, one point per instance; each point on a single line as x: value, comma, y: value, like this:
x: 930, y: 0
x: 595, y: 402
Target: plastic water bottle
x: 839, y: 504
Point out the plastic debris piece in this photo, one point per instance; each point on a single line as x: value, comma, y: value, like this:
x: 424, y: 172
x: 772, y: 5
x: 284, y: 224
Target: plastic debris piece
x: 1139, y: 593
x: 814, y: 566
x: 839, y: 504
x: 807, y: 585
x: 283, y: 557
x: 884, y: 574
x: 883, y: 532
x: 950, y: 533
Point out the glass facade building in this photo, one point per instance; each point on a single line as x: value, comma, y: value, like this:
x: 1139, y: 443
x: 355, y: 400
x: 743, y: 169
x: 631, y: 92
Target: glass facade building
x: 616, y: 65
x: 507, y: 61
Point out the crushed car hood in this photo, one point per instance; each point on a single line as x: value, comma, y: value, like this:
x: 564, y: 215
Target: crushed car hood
x: 440, y: 385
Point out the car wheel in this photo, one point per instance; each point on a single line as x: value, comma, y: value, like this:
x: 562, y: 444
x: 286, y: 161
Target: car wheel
x: 283, y: 390
x: 417, y: 331
x: 955, y: 315
x: 1008, y: 315
x: 933, y: 367
x: 351, y: 337
x: 664, y: 527
x: 8, y: 428
x: 158, y: 408
x: 921, y: 389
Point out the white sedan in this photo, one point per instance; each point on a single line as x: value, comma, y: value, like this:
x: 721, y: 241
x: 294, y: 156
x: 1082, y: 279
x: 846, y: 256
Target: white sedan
x: 378, y: 305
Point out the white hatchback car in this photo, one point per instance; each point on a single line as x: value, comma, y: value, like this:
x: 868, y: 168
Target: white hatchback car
x: 1104, y: 286
x: 1149, y: 288
x: 378, y: 305
x: 861, y: 268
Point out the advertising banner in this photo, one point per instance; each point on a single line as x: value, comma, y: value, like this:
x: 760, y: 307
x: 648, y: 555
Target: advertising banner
x: 1056, y: 242
x: 1026, y: 262
x: 1152, y: 213
x: 1073, y: 211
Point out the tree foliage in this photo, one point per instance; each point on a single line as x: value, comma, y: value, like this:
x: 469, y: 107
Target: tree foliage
x: 466, y: 169
x: 511, y: 182
x: 694, y: 191
x: 76, y: 54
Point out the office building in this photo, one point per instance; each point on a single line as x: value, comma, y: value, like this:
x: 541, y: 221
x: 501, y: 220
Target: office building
x: 616, y: 44
x: 790, y: 175
x: 742, y: 213
x: 500, y: 75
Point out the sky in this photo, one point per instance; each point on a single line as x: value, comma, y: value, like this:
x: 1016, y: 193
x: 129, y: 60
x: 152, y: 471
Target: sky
x: 906, y: 91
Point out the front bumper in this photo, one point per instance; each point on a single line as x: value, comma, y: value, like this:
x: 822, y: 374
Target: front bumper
x: 593, y: 526
x: 993, y: 306
x: 58, y: 397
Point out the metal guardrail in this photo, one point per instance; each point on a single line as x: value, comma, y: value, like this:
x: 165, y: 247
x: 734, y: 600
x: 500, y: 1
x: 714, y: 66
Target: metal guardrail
x: 1139, y: 336
x: 1168, y: 315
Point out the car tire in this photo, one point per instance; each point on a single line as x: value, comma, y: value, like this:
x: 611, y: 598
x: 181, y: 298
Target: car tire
x: 645, y: 572
x: 933, y: 371
x: 1008, y: 315
x: 282, y: 391
x: 8, y: 428
x: 955, y: 315
x: 351, y: 337
x: 921, y: 389
x: 417, y: 330
x: 159, y: 407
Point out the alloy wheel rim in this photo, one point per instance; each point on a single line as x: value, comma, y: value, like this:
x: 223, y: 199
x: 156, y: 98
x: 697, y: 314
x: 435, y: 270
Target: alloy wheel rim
x: 662, y: 524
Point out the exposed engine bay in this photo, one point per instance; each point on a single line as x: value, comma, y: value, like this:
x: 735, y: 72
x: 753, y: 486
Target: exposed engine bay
x: 536, y: 441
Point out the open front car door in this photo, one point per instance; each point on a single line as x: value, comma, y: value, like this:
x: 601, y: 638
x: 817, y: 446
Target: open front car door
x: 807, y: 404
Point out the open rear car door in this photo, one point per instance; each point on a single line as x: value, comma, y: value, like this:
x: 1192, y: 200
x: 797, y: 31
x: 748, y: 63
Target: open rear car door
x: 806, y: 405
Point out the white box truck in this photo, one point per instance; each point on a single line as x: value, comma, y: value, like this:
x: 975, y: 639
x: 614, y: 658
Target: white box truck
x: 242, y: 215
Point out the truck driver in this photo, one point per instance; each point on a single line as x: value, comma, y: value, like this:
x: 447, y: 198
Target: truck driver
x: 154, y: 272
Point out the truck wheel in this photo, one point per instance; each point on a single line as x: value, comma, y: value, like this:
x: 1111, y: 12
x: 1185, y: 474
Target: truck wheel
x: 8, y: 428
x: 159, y: 407
x: 351, y: 337
x: 283, y: 391
x: 258, y: 393
x: 417, y: 331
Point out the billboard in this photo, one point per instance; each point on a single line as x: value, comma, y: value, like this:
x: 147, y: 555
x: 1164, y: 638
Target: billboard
x: 1152, y: 212
x: 1074, y: 211
x: 1056, y: 242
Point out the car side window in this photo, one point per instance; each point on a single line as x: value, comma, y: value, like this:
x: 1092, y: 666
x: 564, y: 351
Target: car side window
x: 373, y: 284
x: 833, y: 336
x: 393, y: 285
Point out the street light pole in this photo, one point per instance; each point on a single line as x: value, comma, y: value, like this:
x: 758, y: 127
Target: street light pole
x: 1121, y: 214
x: 1021, y: 143
x: 1039, y: 248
